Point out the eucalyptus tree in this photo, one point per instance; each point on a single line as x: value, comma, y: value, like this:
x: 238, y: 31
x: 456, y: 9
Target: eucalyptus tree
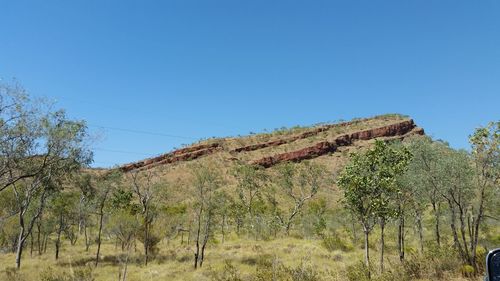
x: 57, y: 145
x: 19, y: 128
x: 485, y: 142
x: 63, y: 208
x: 85, y: 206
x: 223, y: 204
x: 369, y: 183
x: 300, y: 183
x: 206, y: 180
x: 459, y: 193
x: 102, y: 187
x: 124, y: 223
x: 251, y: 181
x: 145, y: 188
x: 426, y: 177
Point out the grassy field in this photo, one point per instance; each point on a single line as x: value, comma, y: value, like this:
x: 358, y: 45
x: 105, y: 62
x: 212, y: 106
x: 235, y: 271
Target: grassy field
x: 174, y: 261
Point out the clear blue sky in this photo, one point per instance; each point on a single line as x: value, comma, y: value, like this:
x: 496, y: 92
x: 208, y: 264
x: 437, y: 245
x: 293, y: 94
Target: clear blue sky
x: 220, y: 68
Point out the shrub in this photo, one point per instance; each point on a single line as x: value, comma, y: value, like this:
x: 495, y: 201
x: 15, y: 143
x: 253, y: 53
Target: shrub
x: 467, y: 271
x: 272, y: 269
x: 335, y: 242
x: 83, y: 274
x: 12, y: 274
x: 228, y: 273
x: 357, y: 272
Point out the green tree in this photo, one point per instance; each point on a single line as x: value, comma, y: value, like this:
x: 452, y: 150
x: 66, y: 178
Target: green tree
x: 124, y: 223
x: 251, y: 182
x: 300, y: 183
x: 62, y: 207
x: 206, y: 181
x: 57, y: 151
x: 426, y: 176
x: 145, y: 188
x: 102, y: 187
x: 485, y: 142
x: 369, y: 183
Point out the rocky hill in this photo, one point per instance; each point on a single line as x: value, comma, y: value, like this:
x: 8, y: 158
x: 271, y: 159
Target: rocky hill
x: 327, y: 143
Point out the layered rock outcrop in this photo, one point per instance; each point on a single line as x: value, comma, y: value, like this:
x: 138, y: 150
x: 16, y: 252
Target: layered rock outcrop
x: 400, y: 129
x: 304, y: 135
x: 395, y: 130
x: 184, y: 154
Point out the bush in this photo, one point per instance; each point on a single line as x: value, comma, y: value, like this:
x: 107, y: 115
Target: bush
x: 12, y: 274
x: 357, y: 272
x: 85, y: 274
x: 228, y: 273
x: 467, y: 271
x: 275, y: 270
x: 335, y: 242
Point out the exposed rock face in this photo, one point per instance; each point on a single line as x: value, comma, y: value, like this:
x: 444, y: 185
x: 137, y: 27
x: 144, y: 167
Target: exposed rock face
x: 400, y: 129
x: 396, y: 130
x: 184, y: 154
x: 297, y: 137
x: 310, y: 152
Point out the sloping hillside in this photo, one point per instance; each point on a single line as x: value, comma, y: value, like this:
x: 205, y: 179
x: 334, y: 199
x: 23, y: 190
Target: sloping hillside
x: 328, y: 142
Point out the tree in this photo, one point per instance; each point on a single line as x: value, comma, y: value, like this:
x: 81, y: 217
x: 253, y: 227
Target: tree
x: 124, y: 224
x: 369, y: 185
x: 223, y: 204
x: 426, y: 174
x: 19, y: 127
x: 300, y: 183
x: 56, y: 151
x: 105, y: 184
x: 85, y: 205
x: 145, y: 190
x: 485, y: 142
x: 206, y: 181
x: 251, y: 182
x: 459, y: 194
x: 62, y: 208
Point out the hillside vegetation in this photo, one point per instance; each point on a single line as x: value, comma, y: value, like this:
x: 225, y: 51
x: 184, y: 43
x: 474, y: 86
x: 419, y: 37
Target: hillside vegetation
x: 368, y: 199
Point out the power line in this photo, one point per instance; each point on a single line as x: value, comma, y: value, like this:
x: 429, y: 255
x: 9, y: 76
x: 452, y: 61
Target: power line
x: 142, y: 132
x: 57, y: 99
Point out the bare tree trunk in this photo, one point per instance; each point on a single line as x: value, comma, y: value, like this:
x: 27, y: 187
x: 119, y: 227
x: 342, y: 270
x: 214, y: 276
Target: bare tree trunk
x: 477, y: 224
x: 39, y: 230
x: 354, y: 232
x: 31, y: 244
x: 453, y: 227
x: 464, y: 235
x: 401, y: 237
x: 87, y: 242
x: 45, y: 239
x: 382, y: 244
x: 146, y: 235
x: 205, y: 239
x: 58, y: 240
x: 366, y: 231
x: 20, y: 244
x: 25, y: 231
x: 222, y: 227
x: 420, y: 231
x: 101, y: 216
x: 197, y: 253
x: 126, y: 263
x: 437, y: 215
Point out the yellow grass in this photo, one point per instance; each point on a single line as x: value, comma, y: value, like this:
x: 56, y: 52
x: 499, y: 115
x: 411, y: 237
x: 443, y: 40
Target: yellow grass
x: 175, y: 261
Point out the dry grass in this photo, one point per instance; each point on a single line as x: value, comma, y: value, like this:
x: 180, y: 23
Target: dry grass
x: 174, y: 261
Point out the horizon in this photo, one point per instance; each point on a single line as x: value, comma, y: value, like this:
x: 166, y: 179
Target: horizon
x: 152, y: 76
